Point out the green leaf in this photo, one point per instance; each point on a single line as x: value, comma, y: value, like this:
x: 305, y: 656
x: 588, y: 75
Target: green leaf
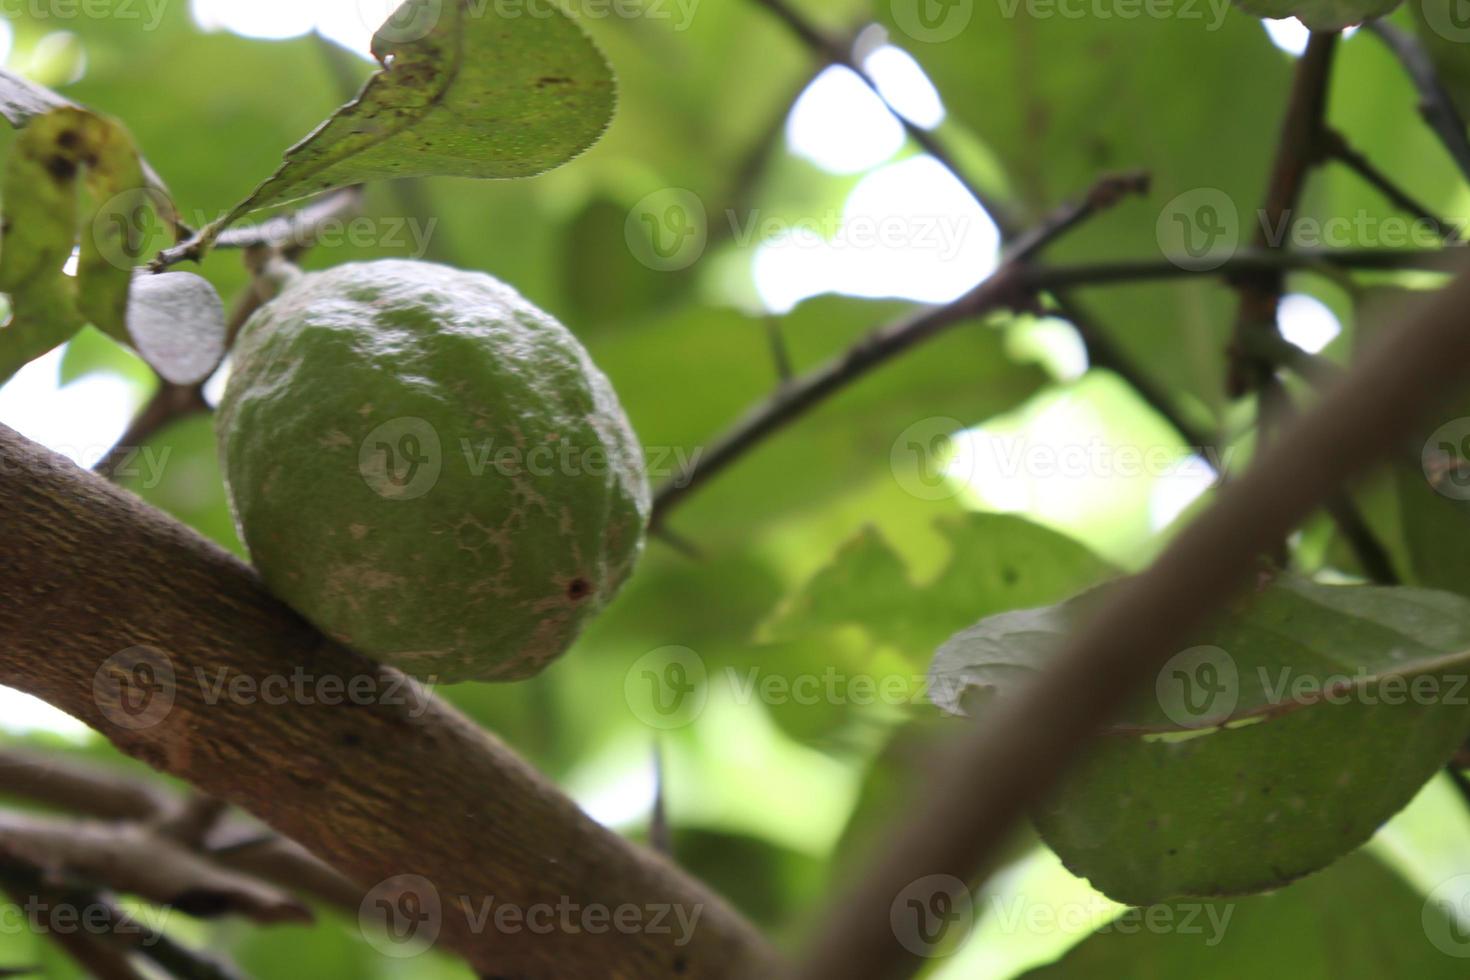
x: 467, y: 89
x: 1321, y: 15
x: 998, y: 562
x: 1307, y: 717
x: 1318, y: 929
x: 52, y: 153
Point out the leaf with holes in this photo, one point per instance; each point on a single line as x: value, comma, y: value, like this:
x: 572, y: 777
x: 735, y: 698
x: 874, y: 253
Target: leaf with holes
x: 466, y: 89
x: 1308, y: 715
x: 55, y: 152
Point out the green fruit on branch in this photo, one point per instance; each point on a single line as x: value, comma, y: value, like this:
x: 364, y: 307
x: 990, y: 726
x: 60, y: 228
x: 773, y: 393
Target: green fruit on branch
x: 430, y: 469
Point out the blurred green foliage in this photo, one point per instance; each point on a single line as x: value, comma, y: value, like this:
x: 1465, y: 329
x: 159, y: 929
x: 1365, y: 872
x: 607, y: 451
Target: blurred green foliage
x: 771, y: 799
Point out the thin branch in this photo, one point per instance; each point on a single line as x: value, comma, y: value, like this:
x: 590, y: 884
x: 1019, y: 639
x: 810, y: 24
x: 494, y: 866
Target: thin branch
x: 1013, y: 283
x: 1435, y: 103
x: 298, y: 229
x: 1337, y: 147
x: 170, y: 403
x: 113, y: 933
x: 1020, y: 746
x: 796, y: 398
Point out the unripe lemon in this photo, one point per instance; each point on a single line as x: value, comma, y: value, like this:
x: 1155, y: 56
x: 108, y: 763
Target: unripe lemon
x: 430, y: 469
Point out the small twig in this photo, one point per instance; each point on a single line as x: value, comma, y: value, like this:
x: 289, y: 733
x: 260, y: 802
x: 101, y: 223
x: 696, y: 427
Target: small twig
x: 137, y: 859
x: 86, y: 790
x: 297, y: 229
x: 1435, y: 103
x: 113, y: 932
x: 193, y: 821
x: 779, y: 354
x: 660, y: 836
x: 170, y: 403
x: 795, y: 399
x: 1336, y: 146
x: 79, y: 788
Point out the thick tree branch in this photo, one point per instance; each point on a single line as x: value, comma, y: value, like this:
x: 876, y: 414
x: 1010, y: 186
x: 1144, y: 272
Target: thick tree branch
x: 124, y: 618
x: 1021, y: 746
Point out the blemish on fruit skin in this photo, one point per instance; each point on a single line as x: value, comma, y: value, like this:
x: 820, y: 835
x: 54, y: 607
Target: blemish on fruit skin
x: 358, y: 531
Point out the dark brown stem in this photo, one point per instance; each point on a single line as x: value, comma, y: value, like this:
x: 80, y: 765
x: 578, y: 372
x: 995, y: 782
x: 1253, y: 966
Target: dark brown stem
x: 1337, y: 146
x: 1022, y: 745
x: 1435, y: 103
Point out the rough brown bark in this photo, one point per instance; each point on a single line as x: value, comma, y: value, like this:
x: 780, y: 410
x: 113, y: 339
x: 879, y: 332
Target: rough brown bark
x: 393, y: 783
